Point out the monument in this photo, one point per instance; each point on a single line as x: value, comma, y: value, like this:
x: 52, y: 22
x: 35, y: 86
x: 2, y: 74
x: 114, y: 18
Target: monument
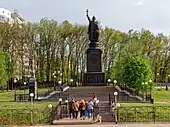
x: 94, y: 75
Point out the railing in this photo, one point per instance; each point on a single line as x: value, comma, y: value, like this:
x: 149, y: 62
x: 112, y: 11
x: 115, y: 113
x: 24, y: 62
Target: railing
x: 21, y: 97
x: 145, y: 96
x: 60, y: 111
x: 163, y: 84
x: 26, y: 97
x: 44, y: 94
x: 144, y: 114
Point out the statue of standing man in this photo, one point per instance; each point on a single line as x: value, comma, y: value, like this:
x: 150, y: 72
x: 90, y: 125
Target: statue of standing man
x: 93, y: 29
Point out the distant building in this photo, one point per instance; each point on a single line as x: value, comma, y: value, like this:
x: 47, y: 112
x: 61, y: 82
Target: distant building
x: 10, y: 17
x: 6, y: 16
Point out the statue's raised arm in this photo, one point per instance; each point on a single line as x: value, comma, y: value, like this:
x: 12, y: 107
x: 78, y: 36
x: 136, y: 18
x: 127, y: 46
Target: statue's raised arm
x: 88, y: 15
x: 93, y: 30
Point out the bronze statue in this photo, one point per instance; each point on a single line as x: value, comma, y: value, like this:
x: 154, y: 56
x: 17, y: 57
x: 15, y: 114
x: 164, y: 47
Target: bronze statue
x: 93, y: 29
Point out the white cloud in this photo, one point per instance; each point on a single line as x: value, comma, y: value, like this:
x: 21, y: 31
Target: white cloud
x: 140, y: 3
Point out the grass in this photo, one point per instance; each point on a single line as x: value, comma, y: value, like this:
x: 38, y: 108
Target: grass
x: 161, y: 95
x: 161, y: 98
x: 19, y: 113
x: 143, y: 104
x: 25, y: 105
x: 139, y: 112
x: 9, y: 96
x: 27, y: 90
x: 7, y: 100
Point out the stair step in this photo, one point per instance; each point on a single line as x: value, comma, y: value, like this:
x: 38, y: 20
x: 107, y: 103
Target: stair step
x: 72, y: 122
x: 107, y: 117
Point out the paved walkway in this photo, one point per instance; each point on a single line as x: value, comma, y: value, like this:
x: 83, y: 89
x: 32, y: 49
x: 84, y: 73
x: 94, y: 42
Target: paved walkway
x: 105, y: 125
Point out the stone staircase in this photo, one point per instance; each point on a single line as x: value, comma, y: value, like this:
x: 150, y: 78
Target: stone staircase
x: 102, y: 93
x: 104, y: 111
x: 78, y: 93
x: 68, y: 121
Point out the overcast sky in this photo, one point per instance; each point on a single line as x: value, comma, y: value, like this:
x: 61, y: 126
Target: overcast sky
x: 118, y: 14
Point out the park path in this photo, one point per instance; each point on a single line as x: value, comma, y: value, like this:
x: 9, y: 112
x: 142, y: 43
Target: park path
x: 104, y: 125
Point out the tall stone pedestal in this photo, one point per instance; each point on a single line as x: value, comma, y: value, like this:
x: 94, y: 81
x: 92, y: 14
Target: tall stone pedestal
x: 94, y: 75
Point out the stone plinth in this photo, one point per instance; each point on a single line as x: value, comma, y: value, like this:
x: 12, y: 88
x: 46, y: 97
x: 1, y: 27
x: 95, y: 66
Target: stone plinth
x: 94, y: 75
x: 94, y: 79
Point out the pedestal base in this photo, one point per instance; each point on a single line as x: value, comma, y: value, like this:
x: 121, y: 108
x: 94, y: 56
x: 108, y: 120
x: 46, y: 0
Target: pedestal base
x: 94, y: 79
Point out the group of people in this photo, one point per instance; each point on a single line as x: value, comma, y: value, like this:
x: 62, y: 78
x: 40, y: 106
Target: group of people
x: 84, y: 107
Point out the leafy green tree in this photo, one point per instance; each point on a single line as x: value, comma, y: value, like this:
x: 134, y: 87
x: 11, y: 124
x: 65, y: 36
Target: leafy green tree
x: 4, y: 69
x: 135, y: 72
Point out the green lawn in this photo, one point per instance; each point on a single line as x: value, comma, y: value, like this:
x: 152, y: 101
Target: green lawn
x: 161, y: 98
x: 9, y: 96
x: 25, y: 105
x: 143, y: 104
x: 7, y: 100
x: 161, y: 95
x: 27, y: 90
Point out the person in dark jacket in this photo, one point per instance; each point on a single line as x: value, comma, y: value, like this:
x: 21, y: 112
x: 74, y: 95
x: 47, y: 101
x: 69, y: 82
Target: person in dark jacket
x: 71, y: 112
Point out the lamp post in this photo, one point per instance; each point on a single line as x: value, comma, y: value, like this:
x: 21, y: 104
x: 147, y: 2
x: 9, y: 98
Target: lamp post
x: 108, y: 81
x: 157, y: 74
x: 79, y: 77
x: 115, y: 95
x: 114, y: 81
x: 167, y: 83
x: 24, y: 88
x: 60, y: 100
x: 61, y: 75
x: 31, y: 96
x: 97, y: 101
x: 54, y: 75
x: 58, y: 72
x: 54, y: 83
x: 54, y: 72
x: 150, y: 82
x: 71, y: 81
x: 15, y: 81
x: 146, y: 83
x: 66, y: 102
x: 115, y: 112
x: 59, y: 82
x: 50, y: 106
x: 168, y: 78
x: 94, y: 100
x: 142, y: 90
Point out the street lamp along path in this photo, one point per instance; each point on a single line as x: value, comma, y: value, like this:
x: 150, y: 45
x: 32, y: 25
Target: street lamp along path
x: 60, y: 99
x: 115, y: 93
x: 115, y: 81
x: 50, y: 105
x: 109, y: 80
x: 31, y: 94
x: 71, y: 80
x: 66, y: 101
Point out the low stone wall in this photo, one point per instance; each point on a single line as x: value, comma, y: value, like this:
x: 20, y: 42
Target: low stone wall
x: 125, y: 96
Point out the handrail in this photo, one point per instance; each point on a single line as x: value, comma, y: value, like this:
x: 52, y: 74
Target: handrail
x: 60, y: 111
